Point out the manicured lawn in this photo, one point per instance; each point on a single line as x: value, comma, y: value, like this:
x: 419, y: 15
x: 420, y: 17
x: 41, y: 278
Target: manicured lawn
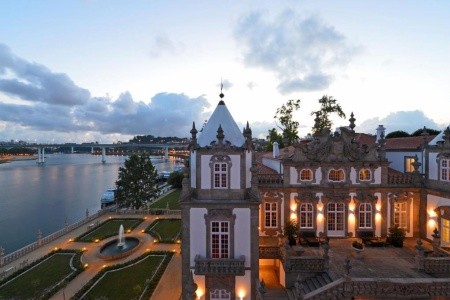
x: 35, y: 281
x: 108, y: 229
x: 130, y: 282
x: 165, y: 230
x: 171, y: 198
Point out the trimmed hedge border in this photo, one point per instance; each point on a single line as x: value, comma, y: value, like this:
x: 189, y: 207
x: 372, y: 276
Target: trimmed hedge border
x: 153, y: 233
x: 148, y: 291
x: 76, y: 263
x: 78, y: 238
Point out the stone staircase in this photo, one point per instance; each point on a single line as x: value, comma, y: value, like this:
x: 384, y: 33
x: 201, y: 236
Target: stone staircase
x: 312, y: 283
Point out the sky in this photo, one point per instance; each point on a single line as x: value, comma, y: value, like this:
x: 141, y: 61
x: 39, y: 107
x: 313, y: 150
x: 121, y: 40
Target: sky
x: 107, y: 70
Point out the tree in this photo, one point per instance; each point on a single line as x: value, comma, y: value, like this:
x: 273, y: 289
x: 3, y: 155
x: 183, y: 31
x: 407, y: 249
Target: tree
x: 284, y: 115
x: 273, y: 137
x: 175, y: 179
x: 397, y: 134
x: 328, y: 105
x: 137, y: 182
x: 419, y: 132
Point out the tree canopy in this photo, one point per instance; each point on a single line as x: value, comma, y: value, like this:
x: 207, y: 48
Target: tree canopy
x: 397, y: 134
x: 136, y: 184
x: 289, y: 127
x: 419, y: 132
x: 273, y: 137
x: 175, y: 179
x: 328, y: 105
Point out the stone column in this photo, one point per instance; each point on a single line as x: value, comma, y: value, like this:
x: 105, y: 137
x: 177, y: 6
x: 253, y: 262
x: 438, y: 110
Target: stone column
x: 436, y: 240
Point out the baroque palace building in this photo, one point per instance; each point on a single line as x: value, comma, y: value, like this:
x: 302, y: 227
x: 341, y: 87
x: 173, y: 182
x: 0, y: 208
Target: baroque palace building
x: 235, y: 202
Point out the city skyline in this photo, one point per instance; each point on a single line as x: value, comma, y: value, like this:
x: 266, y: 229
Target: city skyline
x: 106, y: 71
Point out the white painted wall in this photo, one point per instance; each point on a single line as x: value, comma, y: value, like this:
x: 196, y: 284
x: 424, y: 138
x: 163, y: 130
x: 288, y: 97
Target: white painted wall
x: 242, y: 234
x: 293, y: 176
x: 353, y: 175
x: 248, y: 165
x: 273, y: 164
x: 319, y: 175
x: 243, y: 286
x: 397, y: 159
x: 432, y: 203
x: 193, y: 165
x: 197, y: 242
x: 377, y: 175
x: 205, y: 172
x: 433, y: 167
x: 235, y: 172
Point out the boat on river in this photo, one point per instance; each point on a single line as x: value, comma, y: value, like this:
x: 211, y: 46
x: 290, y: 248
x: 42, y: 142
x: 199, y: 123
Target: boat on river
x: 108, y: 197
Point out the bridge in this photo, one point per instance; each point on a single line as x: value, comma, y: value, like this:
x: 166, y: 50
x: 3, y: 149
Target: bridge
x: 41, y: 148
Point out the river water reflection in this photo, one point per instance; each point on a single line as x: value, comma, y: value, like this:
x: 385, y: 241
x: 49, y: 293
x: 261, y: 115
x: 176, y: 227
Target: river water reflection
x: 43, y: 198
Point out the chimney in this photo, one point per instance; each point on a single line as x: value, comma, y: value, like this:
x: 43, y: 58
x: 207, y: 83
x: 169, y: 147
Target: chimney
x: 276, y: 150
x: 380, y: 133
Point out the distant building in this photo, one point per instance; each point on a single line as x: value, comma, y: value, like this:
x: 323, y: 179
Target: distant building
x: 235, y: 202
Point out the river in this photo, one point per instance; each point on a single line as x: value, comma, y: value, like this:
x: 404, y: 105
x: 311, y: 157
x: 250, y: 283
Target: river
x: 45, y: 197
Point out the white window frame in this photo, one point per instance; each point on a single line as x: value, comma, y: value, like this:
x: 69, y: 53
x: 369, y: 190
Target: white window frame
x: 220, y: 175
x: 337, y: 172
x: 309, y: 173
x: 445, y: 170
x: 223, y: 237
x: 363, y: 173
x: 220, y: 294
x: 306, y: 215
x: 401, y: 214
x: 271, y: 214
x: 365, y: 215
x: 335, y: 216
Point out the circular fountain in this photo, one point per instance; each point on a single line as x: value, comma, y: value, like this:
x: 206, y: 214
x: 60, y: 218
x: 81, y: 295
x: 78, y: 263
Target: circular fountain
x: 120, y: 247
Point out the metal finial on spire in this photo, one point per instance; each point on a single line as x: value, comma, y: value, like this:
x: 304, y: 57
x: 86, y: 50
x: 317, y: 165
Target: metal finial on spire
x: 221, y: 89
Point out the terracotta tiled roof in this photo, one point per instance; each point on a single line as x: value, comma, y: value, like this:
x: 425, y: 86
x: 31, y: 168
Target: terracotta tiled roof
x: 262, y: 169
x: 409, y: 143
x: 365, y: 139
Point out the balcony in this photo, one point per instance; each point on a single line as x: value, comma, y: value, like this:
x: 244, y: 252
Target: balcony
x: 219, y: 266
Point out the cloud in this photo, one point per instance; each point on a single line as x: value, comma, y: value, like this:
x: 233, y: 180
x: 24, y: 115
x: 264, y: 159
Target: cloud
x: 251, y: 85
x: 408, y: 121
x: 163, y: 45
x: 33, y: 82
x: 52, y: 105
x: 303, y: 52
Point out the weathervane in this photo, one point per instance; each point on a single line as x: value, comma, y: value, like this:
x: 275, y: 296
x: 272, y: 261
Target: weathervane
x: 221, y: 88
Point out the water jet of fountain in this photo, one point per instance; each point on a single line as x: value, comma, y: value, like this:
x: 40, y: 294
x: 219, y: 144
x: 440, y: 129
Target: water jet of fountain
x: 121, y: 242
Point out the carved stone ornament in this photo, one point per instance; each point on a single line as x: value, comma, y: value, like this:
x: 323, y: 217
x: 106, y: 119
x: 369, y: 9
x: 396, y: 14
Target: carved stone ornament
x: 307, y: 197
x: 365, y: 197
x: 335, y: 148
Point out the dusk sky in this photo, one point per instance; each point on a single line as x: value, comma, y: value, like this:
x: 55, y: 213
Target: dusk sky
x: 105, y: 70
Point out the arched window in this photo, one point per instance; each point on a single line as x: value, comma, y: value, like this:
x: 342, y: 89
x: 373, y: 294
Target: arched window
x: 365, y: 215
x: 306, y: 215
x: 365, y: 175
x: 336, y: 175
x: 306, y: 175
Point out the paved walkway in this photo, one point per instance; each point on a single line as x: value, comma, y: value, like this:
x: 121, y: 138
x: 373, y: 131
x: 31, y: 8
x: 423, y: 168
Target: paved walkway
x: 166, y: 288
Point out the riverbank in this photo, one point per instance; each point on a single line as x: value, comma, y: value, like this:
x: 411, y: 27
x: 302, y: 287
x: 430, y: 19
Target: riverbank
x: 10, y: 158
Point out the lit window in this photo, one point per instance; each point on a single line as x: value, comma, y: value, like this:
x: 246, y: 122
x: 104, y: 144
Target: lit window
x: 365, y: 215
x: 336, y: 175
x: 400, y: 214
x: 306, y: 215
x: 220, y: 295
x: 220, y: 175
x: 306, y: 175
x: 271, y: 215
x: 220, y: 235
x: 445, y: 231
x: 445, y: 169
x: 365, y: 175
x: 409, y: 164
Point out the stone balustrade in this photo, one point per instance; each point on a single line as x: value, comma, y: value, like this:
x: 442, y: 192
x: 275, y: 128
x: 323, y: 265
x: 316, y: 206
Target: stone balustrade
x: 437, y: 266
x: 270, y: 180
x: 400, y: 179
x: 271, y: 252
x: 219, y: 266
x: 383, y: 288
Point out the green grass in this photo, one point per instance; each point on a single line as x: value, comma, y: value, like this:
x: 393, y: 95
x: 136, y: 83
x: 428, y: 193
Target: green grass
x: 165, y: 230
x: 171, y: 198
x: 41, y: 277
x: 108, y: 229
x: 129, y: 282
